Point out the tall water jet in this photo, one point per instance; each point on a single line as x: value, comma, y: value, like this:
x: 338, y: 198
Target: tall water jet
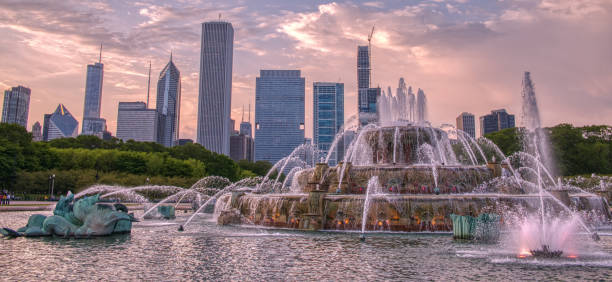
x: 401, y: 93
x: 411, y: 106
x: 532, y: 124
x: 421, y: 107
x: 373, y: 184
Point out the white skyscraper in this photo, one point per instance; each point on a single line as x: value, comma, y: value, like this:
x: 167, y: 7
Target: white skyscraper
x: 215, y: 92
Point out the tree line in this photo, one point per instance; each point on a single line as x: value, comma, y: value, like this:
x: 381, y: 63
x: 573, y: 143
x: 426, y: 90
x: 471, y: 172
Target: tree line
x: 575, y: 150
x: 26, y: 166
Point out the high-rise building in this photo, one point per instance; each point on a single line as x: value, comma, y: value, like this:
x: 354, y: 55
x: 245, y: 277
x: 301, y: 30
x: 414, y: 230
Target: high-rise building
x: 16, y: 105
x: 168, y: 105
x: 136, y: 122
x: 328, y: 118
x: 467, y: 123
x: 245, y: 126
x: 215, y: 92
x: 496, y: 121
x: 37, y: 132
x: 363, y: 67
x: 60, y: 124
x: 367, y: 97
x: 279, y: 113
x: 241, y: 147
x: 368, y: 105
x: 92, y: 123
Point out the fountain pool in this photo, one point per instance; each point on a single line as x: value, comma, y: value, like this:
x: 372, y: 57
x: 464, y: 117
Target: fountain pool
x: 205, y: 251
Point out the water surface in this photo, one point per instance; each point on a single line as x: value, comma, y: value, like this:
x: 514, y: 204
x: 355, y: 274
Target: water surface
x: 157, y: 251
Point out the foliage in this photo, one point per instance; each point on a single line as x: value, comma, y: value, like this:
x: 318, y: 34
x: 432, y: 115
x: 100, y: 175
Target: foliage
x: 85, y: 160
x: 577, y: 149
x: 508, y: 140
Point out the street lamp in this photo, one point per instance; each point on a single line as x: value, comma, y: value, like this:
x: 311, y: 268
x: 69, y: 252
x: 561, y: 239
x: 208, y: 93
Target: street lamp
x: 52, y: 180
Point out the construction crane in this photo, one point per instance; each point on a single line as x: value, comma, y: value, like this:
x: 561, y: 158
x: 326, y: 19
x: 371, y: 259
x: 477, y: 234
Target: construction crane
x: 370, y: 54
x: 370, y: 37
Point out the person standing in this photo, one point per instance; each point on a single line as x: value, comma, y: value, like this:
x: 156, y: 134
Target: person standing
x: 8, y: 199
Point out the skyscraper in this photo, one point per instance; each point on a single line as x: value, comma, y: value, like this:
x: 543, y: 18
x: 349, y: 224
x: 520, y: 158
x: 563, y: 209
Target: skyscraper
x: 92, y: 123
x: 241, y: 147
x: 168, y: 105
x: 279, y: 113
x: 36, y: 132
x: 215, y: 90
x: 136, y: 122
x: 245, y: 126
x: 467, y: 123
x: 16, y: 105
x: 328, y: 118
x: 60, y: 124
x: 496, y: 121
x: 367, y: 97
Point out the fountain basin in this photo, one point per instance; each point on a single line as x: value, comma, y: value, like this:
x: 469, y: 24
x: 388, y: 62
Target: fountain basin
x: 388, y: 212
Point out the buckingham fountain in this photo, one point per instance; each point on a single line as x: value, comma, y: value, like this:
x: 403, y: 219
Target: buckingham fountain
x: 397, y: 175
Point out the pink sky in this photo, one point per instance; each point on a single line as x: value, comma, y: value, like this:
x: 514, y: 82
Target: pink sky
x: 466, y: 55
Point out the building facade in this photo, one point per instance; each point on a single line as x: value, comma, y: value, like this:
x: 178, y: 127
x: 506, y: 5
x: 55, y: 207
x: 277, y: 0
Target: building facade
x: 37, y: 132
x: 279, y: 113
x: 168, y: 105
x: 241, y: 147
x: 92, y: 123
x: 467, y: 123
x: 367, y: 97
x: 328, y: 118
x: 215, y: 89
x: 368, y: 105
x: 16, y: 105
x: 136, y: 122
x: 496, y: 121
x: 60, y: 124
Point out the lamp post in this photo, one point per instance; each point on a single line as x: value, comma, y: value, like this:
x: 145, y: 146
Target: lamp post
x: 52, y: 177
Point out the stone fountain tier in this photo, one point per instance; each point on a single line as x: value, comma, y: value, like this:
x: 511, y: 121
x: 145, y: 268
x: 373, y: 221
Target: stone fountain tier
x: 399, y: 144
x: 318, y: 210
x: 400, y: 179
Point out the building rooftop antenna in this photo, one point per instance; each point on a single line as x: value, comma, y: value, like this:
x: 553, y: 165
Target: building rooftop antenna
x: 149, y: 84
x: 242, y: 114
x: 249, y: 112
x: 100, y: 53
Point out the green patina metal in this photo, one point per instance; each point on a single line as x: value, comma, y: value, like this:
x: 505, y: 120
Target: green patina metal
x: 81, y: 218
x: 484, y: 228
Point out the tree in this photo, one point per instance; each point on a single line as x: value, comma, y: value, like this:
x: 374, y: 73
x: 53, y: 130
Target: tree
x: 507, y: 140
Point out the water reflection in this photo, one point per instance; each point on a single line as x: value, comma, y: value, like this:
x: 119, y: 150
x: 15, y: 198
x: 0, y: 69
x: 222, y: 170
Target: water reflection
x: 156, y: 251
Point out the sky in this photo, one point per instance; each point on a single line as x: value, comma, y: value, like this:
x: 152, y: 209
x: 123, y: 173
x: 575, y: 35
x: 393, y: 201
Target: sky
x: 467, y: 55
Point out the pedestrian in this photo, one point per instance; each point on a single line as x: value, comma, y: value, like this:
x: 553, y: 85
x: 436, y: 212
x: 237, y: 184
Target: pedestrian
x: 2, y: 199
x: 8, y: 199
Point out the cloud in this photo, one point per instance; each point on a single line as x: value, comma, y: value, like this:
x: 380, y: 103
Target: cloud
x: 467, y: 56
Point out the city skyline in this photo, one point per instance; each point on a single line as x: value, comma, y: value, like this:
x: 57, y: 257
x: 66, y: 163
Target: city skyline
x: 312, y: 38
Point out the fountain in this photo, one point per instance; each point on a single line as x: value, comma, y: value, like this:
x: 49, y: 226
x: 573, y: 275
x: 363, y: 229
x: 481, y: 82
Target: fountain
x: 406, y: 175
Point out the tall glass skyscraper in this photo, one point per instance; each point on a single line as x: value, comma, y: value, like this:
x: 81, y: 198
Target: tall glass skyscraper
x: 168, y: 104
x: 279, y: 113
x: 16, y: 105
x: 92, y: 123
x: 328, y: 118
x: 367, y: 97
x: 215, y: 92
